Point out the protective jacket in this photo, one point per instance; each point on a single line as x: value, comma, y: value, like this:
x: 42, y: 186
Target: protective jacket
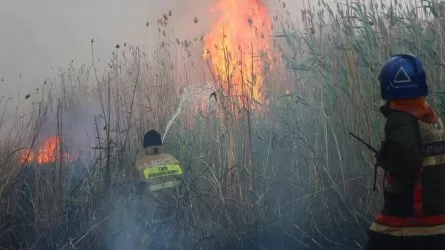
x: 160, y: 174
x: 413, y: 157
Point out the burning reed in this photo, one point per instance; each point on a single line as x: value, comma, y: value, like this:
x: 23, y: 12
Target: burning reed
x: 286, y: 176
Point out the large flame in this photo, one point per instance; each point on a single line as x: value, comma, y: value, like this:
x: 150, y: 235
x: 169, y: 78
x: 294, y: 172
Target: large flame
x: 237, y: 46
x: 46, y: 154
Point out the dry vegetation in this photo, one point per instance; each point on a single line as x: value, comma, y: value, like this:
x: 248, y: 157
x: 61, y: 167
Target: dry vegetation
x: 287, y: 177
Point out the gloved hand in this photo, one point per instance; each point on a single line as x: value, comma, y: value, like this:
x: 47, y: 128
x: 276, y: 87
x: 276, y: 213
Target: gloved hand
x: 381, y: 156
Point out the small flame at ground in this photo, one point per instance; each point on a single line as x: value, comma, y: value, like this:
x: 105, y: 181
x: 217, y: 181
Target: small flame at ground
x: 46, y: 154
x: 243, y: 27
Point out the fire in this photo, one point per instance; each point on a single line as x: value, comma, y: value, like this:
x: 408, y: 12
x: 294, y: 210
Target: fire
x: 46, y: 154
x: 237, y: 46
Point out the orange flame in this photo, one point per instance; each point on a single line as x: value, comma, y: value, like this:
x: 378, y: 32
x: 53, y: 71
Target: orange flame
x: 237, y: 46
x: 46, y: 154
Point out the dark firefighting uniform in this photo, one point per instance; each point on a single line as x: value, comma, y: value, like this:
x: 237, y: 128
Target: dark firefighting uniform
x: 413, y: 156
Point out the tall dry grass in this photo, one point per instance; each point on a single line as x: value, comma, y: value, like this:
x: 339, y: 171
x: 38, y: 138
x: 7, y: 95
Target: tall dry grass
x: 286, y: 177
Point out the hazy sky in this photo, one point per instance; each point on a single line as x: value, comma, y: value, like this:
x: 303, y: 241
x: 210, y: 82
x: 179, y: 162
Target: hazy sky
x: 38, y: 35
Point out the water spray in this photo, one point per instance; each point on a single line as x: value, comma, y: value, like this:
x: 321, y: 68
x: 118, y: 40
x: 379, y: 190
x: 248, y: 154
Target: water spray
x: 190, y: 92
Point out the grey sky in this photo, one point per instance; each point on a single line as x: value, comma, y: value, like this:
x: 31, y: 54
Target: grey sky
x: 38, y: 35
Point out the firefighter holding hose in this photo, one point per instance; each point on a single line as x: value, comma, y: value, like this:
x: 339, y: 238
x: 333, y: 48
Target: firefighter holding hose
x: 413, y: 157
x: 159, y: 176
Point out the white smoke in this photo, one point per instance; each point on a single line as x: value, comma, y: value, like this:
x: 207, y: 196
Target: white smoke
x: 194, y: 92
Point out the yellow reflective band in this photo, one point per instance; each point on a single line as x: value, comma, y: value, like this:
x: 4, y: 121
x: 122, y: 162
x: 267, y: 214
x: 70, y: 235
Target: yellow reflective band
x: 407, y: 231
x: 433, y: 160
x: 170, y: 184
x: 166, y: 170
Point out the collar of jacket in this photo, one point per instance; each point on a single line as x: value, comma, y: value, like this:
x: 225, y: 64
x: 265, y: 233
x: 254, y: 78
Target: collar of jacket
x: 386, y: 110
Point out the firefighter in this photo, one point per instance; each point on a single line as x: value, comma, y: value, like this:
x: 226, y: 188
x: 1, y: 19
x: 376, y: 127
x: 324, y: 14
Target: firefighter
x: 412, y: 156
x: 159, y: 175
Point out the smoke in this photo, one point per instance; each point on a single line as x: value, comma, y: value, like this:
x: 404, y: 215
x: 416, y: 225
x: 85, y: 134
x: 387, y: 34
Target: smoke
x: 49, y: 34
x: 192, y: 93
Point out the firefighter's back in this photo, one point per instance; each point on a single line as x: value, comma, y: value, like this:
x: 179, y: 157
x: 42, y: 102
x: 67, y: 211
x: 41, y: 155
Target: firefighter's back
x: 162, y: 174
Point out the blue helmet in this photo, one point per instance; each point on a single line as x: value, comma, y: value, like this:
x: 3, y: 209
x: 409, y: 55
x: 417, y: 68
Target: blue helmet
x: 402, y: 76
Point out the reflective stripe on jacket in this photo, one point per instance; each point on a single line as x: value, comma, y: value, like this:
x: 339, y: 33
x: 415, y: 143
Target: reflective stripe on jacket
x: 159, y: 171
x: 416, y: 206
